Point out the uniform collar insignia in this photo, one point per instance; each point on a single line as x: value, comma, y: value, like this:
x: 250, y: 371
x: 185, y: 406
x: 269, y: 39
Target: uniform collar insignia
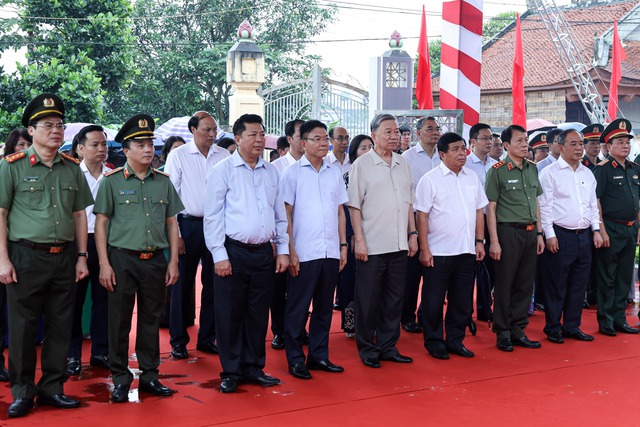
x: 33, y: 159
x: 126, y: 173
x: 510, y: 166
x: 615, y: 164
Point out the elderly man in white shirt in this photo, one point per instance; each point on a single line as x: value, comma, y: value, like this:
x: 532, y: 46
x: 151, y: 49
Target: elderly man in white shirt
x: 449, y: 200
x: 187, y: 167
x: 243, y: 213
x: 571, y: 224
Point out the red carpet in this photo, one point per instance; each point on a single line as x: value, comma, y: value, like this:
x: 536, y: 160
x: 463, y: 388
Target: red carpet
x: 575, y: 383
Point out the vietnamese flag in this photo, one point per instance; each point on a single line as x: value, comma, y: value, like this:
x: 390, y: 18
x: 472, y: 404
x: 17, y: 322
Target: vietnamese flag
x: 424, y: 94
x: 616, y: 73
x: 519, y: 116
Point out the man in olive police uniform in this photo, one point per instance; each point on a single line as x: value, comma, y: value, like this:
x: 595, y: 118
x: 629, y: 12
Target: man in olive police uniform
x: 138, y: 203
x: 43, y: 195
x: 591, y: 135
x: 617, y: 191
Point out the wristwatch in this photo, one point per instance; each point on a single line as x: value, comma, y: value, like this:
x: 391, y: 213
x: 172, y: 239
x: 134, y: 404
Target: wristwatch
x: 481, y: 241
x: 84, y: 254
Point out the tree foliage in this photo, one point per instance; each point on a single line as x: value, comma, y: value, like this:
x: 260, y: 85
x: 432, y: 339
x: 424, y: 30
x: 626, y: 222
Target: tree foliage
x: 496, y: 24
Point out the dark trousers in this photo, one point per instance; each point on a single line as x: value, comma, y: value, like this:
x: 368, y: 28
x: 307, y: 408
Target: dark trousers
x: 242, y: 311
x: 278, y: 303
x: 614, y: 273
x: 513, y: 283
x: 196, y: 252
x: 315, y: 281
x: 451, y: 277
x: 3, y: 321
x: 99, y: 309
x: 146, y: 279
x: 565, y: 279
x: 346, y: 290
x: 378, y: 297
x: 411, y: 289
x: 484, y: 282
x: 46, y: 286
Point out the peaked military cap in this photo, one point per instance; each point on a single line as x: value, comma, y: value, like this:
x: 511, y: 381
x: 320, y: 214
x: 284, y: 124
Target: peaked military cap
x: 46, y: 104
x: 593, y: 131
x: 616, y: 129
x: 140, y: 126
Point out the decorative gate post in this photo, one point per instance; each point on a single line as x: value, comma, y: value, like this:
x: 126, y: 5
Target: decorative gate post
x: 245, y: 73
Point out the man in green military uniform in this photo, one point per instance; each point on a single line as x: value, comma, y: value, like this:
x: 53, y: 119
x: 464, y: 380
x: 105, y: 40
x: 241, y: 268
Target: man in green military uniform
x: 618, y: 195
x: 43, y: 226
x: 513, y: 215
x: 136, y: 209
x: 591, y: 134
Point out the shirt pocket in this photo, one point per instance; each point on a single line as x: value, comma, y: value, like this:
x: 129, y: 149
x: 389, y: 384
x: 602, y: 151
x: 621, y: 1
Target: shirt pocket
x: 128, y: 206
x: 33, y: 195
x: 68, y: 191
x: 159, y: 207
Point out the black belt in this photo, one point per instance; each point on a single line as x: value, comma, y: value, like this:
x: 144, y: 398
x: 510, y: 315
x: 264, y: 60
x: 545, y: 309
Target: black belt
x: 520, y: 226
x: 190, y: 217
x: 569, y: 230
x: 141, y: 254
x: 621, y: 221
x: 49, y: 248
x: 249, y: 246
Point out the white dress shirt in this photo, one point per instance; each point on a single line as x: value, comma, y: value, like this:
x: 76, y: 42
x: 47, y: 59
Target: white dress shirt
x: 344, y: 166
x: 568, y: 198
x: 420, y: 162
x: 281, y: 163
x: 546, y: 162
x: 187, y: 169
x: 94, y: 184
x: 244, y: 204
x: 451, y: 201
x: 475, y: 164
x: 315, y: 197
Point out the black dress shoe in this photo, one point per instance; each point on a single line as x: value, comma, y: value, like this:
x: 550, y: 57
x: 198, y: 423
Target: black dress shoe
x: 60, y: 401
x: 473, y: 328
x: 228, y: 385
x: 4, y: 374
x: 211, y: 347
x: 398, y: 358
x: 413, y: 327
x: 504, y: 344
x: 324, y: 365
x: 525, y: 342
x: 607, y: 330
x: 305, y: 338
x: 439, y: 353
x: 336, y: 306
x: 156, y: 388
x: 74, y: 366
x: 555, y: 337
x: 100, y: 362
x: 179, y: 352
x: 625, y: 328
x: 20, y: 407
x: 372, y: 362
x: 264, y: 380
x: 580, y: 336
x: 585, y: 304
x: 300, y: 371
x: 120, y: 394
x: 278, y: 342
x: 461, y: 351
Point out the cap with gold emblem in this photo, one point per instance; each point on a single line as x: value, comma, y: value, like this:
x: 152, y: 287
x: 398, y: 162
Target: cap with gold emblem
x: 616, y: 129
x: 592, y: 131
x: 140, y: 126
x: 46, y: 104
x: 538, y: 139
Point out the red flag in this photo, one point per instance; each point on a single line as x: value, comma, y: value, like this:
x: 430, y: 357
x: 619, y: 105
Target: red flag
x: 424, y: 94
x: 517, y: 84
x: 616, y: 73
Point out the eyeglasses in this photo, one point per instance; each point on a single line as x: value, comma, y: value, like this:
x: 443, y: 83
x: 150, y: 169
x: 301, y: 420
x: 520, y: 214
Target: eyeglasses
x: 343, y: 138
x: 318, y: 139
x: 51, y: 126
x: 485, y: 138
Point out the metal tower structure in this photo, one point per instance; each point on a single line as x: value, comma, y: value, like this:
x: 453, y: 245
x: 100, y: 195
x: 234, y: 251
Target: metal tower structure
x: 578, y: 72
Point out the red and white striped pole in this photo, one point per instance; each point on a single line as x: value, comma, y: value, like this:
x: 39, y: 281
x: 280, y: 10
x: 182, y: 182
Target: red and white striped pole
x: 461, y: 59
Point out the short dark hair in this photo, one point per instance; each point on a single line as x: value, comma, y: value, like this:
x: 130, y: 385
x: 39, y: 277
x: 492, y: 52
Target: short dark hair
x: 240, y: 125
x: 273, y: 155
x: 563, y: 135
x: 551, y: 134
x: 81, y: 137
x: 377, y: 120
x: 496, y: 135
x: 168, y: 143
x: 225, y: 142
x: 506, y: 134
x: 355, y: 144
x: 13, y: 138
x: 194, y: 121
x: 475, y: 130
x: 447, y: 139
x: 282, y: 143
x: 404, y: 128
x: 420, y: 122
x: 290, y: 127
x: 310, y: 125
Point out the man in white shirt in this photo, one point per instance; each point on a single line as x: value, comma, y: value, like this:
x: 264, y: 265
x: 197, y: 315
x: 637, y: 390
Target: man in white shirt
x: 421, y: 158
x: 243, y: 213
x: 554, y: 149
x: 187, y: 167
x: 571, y: 224
x: 449, y: 200
x: 92, y: 146
x: 292, y: 131
x: 313, y: 191
x: 338, y: 155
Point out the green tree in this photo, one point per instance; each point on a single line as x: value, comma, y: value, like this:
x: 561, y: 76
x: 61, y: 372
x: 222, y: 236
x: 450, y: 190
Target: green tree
x: 182, y: 57
x: 497, y: 24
